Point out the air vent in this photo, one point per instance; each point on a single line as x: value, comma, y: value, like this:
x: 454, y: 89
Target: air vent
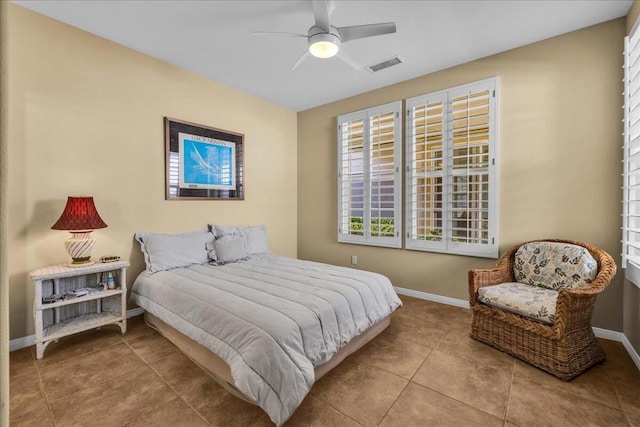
x: 384, y: 64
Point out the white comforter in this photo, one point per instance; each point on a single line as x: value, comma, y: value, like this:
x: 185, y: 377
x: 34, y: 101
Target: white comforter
x: 272, y: 319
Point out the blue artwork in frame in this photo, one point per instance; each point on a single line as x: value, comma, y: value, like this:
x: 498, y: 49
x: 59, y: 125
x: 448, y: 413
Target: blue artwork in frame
x: 206, y: 163
x: 203, y: 162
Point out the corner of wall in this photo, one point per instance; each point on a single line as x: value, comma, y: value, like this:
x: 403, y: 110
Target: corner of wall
x: 4, y: 274
x: 632, y: 15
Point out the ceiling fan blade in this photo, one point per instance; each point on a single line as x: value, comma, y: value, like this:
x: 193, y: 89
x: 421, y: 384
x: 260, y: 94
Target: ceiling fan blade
x: 300, y: 60
x: 275, y: 33
x: 349, y: 59
x: 321, y: 14
x: 355, y: 32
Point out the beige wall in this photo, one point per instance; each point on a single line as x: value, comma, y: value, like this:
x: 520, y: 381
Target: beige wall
x: 86, y: 118
x: 560, y: 126
x: 632, y: 15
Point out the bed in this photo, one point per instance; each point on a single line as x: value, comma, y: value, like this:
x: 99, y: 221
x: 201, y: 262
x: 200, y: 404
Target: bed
x: 266, y: 327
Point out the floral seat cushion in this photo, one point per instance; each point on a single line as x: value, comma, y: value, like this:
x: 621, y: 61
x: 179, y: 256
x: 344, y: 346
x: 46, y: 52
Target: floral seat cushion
x: 533, y: 302
x: 554, y: 265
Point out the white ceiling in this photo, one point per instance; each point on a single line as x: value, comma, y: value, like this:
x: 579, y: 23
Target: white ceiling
x: 213, y: 38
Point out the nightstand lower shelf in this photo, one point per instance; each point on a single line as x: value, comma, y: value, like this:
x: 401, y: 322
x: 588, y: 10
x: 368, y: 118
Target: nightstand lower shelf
x: 79, y: 324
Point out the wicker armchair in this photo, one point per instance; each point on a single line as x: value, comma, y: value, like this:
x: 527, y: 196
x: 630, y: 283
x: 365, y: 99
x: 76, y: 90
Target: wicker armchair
x: 565, y: 348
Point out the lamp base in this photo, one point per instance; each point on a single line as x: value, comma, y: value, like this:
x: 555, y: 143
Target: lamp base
x: 80, y: 264
x: 80, y: 245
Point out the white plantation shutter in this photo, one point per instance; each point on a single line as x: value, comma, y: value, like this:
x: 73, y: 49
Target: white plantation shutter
x: 426, y: 130
x: 451, y: 186
x: 351, y: 177
x: 369, y: 176
x: 382, y: 170
x: 174, y: 173
x: 631, y: 162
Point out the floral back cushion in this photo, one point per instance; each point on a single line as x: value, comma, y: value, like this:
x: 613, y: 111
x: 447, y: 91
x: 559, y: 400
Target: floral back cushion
x: 554, y: 265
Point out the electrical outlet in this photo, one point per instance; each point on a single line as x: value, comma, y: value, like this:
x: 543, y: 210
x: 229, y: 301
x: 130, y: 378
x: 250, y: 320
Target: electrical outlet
x: 354, y: 260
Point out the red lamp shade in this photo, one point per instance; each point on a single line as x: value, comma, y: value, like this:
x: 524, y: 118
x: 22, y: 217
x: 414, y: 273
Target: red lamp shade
x: 80, y: 214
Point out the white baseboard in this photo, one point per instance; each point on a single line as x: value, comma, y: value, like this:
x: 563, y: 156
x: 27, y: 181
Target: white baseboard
x: 608, y: 334
x: 24, y: 342
x: 619, y: 337
x: 432, y: 297
x: 632, y: 351
x: 134, y: 312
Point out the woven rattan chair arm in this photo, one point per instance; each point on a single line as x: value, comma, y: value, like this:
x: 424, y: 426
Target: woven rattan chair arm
x: 479, y: 278
x: 581, y: 300
x: 563, y: 305
x: 501, y: 273
x: 592, y: 289
x: 488, y: 277
x: 573, y: 307
x: 606, y: 271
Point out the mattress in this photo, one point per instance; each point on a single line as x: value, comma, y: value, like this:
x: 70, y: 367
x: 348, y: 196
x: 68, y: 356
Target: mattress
x: 271, y: 319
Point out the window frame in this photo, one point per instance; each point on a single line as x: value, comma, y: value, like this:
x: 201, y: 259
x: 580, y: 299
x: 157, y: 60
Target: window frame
x: 447, y: 245
x: 366, y: 238
x: 631, y: 162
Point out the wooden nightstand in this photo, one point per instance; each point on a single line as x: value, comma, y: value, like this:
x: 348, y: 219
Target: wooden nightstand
x: 76, y: 314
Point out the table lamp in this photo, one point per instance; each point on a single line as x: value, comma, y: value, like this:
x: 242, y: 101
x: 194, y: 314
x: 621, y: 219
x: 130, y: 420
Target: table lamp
x: 80, y: 218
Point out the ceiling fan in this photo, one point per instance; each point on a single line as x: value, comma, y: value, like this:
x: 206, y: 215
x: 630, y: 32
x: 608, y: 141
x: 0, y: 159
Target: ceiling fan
x: 325, y: 40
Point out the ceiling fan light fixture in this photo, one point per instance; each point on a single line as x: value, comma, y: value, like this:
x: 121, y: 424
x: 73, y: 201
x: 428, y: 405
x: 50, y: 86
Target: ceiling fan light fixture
x: 324, y: 45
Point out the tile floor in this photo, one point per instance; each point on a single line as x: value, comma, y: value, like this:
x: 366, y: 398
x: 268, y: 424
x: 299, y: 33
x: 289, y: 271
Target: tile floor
x: 423, y: 370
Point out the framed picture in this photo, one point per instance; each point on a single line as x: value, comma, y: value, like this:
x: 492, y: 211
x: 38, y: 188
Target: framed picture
x: 203, y: 163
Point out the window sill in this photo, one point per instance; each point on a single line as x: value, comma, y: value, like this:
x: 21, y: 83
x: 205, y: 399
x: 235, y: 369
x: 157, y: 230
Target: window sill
x: 632, y: 273
x: 393, y: 245
x: 493, y: 254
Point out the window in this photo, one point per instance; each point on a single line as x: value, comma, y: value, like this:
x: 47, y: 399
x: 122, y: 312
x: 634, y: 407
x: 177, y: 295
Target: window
x: 370, y: 176
x: 451, y: 188
x: 631, y: 162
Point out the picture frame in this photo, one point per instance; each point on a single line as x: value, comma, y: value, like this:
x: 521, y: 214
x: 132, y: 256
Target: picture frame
x: 203, y: 162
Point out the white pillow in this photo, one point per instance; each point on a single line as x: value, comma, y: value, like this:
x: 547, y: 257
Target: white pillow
x: 221, y: 230
x: 229, y: 248
x: 167, y: 251
x: 255, y: 237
